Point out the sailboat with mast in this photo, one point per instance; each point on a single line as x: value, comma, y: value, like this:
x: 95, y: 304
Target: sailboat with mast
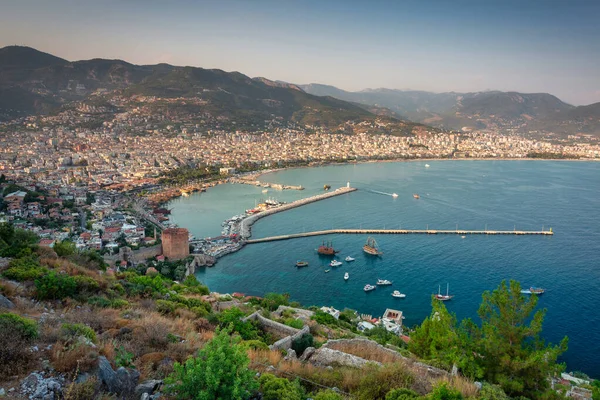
x: 371, y: 247
x: 443, y: 297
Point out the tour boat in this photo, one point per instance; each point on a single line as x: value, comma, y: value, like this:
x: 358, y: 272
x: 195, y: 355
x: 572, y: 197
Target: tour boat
x: 443, y: 297
x: 533, y: 290
x: 368, y: 287
x: 383, y: 282
x: 349, y: 259
x: 346, y: 276
x: 335, y: 263
x: 326, y: 249
x: 416, y: 196
x: 398, y: 295
x: 371, y: 247
x: 394, y: 195
x: 301, y: 263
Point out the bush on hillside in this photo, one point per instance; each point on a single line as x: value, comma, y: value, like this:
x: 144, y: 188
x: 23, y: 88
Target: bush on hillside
x: 378, y: 381
x: 24, y: 269
x: 16, y: 334
x: 402, y: 394
x: 220, y: 371
x: 302, y: 343
x: 274, y: 388
x: 71, y: 332
x: 328, y: 395
x: 232, y: 318
x: 445, y: 392
x: 55, y: 286
x: 64, y: 248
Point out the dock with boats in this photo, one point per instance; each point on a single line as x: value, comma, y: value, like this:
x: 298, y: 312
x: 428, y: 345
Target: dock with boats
x: 397, y: 232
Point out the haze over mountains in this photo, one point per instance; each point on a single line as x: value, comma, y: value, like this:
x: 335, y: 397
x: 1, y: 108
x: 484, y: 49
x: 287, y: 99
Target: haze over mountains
x: 33, y: 82
x: 505, y: 111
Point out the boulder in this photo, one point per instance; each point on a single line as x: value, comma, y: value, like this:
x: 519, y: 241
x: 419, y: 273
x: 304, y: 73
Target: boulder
x: 36, y: 387
x: 122, y: 382
x: 147, y: 387
x: 291, y: 355
x: 308, y: 352
x: 6, y: 303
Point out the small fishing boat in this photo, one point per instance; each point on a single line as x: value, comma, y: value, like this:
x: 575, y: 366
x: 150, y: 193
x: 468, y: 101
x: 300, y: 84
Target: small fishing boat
x: 327, y: 270
x: 346, y: 276
x: 368, y: 287
x: 416, y: 196
x: 383, y: 282
x: 349, y: 259
x: 443, y: 297
x: 426, y: 165
x: 463, y: 236
x: 265, y: 190
x: 533, y: 290
x: 335, y: 263
x: 398, y: 295
x: 301, y: 263
x: 394, y: 195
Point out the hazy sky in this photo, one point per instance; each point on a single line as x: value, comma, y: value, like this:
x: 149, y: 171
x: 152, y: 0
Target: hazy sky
x: 445, y: 45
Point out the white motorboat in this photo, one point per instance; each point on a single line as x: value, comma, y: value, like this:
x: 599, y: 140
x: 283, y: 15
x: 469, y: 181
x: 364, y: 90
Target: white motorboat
x: 383, y: 282
x: 426, y: 165
x: 398, y: 295
x: 349, y: 259
x: 368, y: 287
x: 346, y: 276
x: 394, y: 195
x: 335, y: 263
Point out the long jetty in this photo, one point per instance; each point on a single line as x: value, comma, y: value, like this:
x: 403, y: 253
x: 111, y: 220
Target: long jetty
x: 246, y: 224
x: 396, y: 232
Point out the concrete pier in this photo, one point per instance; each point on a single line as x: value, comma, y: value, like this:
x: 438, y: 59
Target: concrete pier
x: 246, y: 224
x: 397, y: 232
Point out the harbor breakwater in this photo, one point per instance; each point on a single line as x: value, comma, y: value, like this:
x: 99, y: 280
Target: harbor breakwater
x: 246, y: 223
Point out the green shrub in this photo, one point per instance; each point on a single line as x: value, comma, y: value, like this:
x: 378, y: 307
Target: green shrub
x: 24, y: 269
x: 53, y: 286
x: 167, y: 307
x: 72, y: 331
x: 199, y: 311
x: 324, y: 319
x: 119, y: 303
x: 302, y: 343
x: 99, y: 301
x: 24, y: 327
x: 255, y: 344
x: 294, y: 323
x: 492, y: 392
x: 64, y: 248
x: 328, y: 395
x: 232, y: 317
x: 146, y: 284
x: 445, y: 392
x: 402, y: 394
x: 220, y: 371
x: 86, y: 284
x: 274, y: 388
x: 123, y: 358
x: 273, y: 300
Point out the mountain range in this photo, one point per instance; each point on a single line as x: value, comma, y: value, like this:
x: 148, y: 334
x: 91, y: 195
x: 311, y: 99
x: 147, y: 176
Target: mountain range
x: 33, y: 82
x: 506, y: 111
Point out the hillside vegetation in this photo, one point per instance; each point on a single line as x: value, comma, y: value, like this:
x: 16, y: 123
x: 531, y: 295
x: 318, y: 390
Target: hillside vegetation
x: 76, y: 320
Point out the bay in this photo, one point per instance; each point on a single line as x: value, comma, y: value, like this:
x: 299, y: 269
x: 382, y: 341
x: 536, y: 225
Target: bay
x: 497, y: 195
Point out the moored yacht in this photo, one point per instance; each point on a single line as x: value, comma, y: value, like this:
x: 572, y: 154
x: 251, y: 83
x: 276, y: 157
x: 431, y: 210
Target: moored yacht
x: 383, y: 282
x: 335, y: 263
x: 368, y: 287
x: 346, y: 276
x: 349, y: 259
x: 398, y: 295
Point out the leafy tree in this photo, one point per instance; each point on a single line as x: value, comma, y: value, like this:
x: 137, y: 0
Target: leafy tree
x: 513, y: 354
x: 596, y: 390
x: 274, y: 300
x: 64, y: 248
x: 439, y: 338
x: 24, y: 269
x: 220, y: 371
x: 232, y: 317
x: 274, y: 388
x: 55, y: 286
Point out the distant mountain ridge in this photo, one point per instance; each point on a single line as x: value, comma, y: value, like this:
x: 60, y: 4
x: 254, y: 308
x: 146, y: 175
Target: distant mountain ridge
x: 509, y: 111
x: 33, y: 82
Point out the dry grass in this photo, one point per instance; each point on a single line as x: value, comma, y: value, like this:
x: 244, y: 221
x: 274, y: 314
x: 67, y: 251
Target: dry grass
x: 8, y: 289
x: 371, y: 353
x: 107, y: 349
x: 67, y: 359
x: 82, y: 391
x: 99, y: 320
x: 465, y: 386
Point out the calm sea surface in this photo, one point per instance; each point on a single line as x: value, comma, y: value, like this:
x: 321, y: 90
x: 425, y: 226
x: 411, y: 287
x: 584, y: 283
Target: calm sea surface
x: 499, y: 195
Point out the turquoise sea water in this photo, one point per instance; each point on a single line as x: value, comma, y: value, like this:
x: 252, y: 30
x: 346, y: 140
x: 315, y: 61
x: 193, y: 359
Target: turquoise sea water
x: 499, y: 195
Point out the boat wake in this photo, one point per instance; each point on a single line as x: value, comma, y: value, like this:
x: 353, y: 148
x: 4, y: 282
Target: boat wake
x: 381, y: 193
